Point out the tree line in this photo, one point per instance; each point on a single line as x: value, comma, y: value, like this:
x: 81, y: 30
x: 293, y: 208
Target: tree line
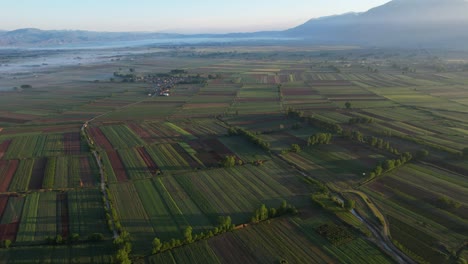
x: 225, y: 225
x: 391, y: 164
x: 252, y: 137
x: 311, y: 120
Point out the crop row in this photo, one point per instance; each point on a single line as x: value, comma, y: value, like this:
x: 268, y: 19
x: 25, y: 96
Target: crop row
x: 167, y: 158
x: 121, y: 136
x: 35, y: 146
x: 135, y: 167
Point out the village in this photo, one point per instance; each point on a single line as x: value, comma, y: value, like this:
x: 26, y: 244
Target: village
x: 162, y: 83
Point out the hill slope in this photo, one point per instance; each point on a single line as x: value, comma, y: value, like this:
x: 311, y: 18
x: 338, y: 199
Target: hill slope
x: 432, y: 23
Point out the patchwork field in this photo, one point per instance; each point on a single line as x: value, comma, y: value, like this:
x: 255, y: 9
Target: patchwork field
x: 231, y: 154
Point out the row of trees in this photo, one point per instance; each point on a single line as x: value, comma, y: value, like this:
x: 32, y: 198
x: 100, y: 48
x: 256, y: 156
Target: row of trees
x: 225, y: 225
x: 319, y: 138
x: 252, y: 137
x: 361, y: 120
x: 231, y: 161
x: 311, y: 120
x: 370, y: 140
x: 265, y: 213
x: 124, y: 247
x: 391, y: 164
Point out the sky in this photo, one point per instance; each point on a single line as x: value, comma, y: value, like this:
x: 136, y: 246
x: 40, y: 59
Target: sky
x: 175, y: 16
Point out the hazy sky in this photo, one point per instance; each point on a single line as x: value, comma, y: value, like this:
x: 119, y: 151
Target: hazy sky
x: 181, y: 16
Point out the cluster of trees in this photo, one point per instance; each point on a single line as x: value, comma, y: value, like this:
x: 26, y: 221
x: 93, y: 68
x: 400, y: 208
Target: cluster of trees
x: 5, y: 243
x: 295, y: 148
x: 370, y: 140
x: 126, y: 77
x: 231, y: 161
x: 361, y: 120
x: 313, y: 121
x: 319, y: 138
x: 328, y: 126
x: 265, y: 213
x: 292, y: 113
x: 72, y: 239
x: 391, y: 164
x: 225, y: 225
x: 124, y: 247
x: 254, y: 138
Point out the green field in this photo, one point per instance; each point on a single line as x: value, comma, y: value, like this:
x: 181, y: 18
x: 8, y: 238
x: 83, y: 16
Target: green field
x: 325, y: 129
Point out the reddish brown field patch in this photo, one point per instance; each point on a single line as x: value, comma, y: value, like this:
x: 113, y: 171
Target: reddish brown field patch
x: 118, y: 166
x: 4, y: 147
x: 37, y: 174
x: 86, y: 174
x: 142, y: 133
x: 299, y: 92
x: 330, y: 83
x: 7, y: 170
x: 150, y: 164
x: 99, y: 138
x: 3, y: 203
x: 8, y: 231
x: 4, y: 119
x: 72, y: 143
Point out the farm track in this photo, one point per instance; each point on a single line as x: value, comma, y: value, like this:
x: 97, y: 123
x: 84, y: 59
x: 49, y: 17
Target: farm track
x: 381, y: 235
x: 100, y: 166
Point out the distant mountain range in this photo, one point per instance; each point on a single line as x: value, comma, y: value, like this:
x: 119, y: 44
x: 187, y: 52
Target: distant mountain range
x: 433, y: 23
x: 399, y: 23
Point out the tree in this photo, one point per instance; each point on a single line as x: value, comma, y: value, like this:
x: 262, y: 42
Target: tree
x: 58, y: 240
x: 156, y: 245
x: 350, y: 204
x: 188, y: 234
x: 7, y: 243
x: 122, y: 257
x: 378, y: 170
x: 263, y: 212
x: 389, y: 165
x: 348, y: 105
x: 295, y: 148
x: 228, y: 162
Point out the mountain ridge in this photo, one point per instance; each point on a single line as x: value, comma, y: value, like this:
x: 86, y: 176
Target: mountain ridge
x: 398, y: 23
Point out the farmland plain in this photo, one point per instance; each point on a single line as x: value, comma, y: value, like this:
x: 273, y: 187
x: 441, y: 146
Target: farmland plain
x: 366, y: 150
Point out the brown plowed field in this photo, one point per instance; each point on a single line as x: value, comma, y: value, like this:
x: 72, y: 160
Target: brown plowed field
x: 4, y: 147
x: 99, y: 138
x: 7, y: 170
x: 152, y: 166
x: 86, y: 175
x: 72, y: 143
x: 8, y: 231
x: 118, y: 166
